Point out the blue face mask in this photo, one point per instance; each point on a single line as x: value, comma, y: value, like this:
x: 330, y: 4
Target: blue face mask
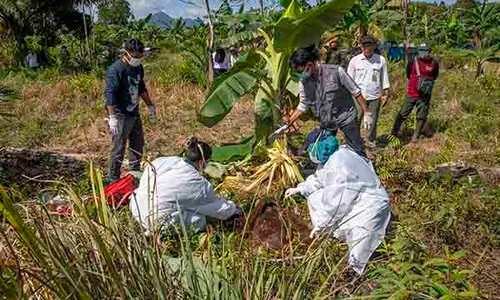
x: 423, y: 53
x: 304, y: 75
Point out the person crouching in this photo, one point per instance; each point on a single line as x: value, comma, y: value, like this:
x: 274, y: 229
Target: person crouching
x: 345, y: 197
x: 172, y: 190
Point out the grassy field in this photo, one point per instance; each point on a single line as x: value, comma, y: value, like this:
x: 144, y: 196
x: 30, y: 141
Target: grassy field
x: 445, y: 236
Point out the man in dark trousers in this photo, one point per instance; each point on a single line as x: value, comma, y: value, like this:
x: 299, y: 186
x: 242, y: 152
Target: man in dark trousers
x: 124, y: 85
x: 421, y: 73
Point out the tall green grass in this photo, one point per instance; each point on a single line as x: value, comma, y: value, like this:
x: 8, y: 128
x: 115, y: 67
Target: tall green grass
x: 98, y: 253
x: 101, y: 253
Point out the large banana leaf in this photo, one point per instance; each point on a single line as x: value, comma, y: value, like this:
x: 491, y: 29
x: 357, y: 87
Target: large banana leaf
x: 229, y: 88
x: 233, y: 152
x: 293, y: 10
x: 307, y: 29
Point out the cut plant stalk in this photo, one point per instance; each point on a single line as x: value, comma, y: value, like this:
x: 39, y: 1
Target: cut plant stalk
x: 280, y: 168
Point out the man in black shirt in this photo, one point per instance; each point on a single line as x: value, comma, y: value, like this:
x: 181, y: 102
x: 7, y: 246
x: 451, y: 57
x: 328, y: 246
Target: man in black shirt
x: 124, y: 85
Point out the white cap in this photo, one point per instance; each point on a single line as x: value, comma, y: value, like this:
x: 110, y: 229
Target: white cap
x: 423, y: 45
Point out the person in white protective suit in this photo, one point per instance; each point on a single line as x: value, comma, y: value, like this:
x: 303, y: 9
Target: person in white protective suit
x: 345, y: 197
x: 172, y: 187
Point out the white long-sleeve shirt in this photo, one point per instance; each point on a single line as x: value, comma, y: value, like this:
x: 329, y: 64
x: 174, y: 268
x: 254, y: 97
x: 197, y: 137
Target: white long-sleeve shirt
x: 370, y: 75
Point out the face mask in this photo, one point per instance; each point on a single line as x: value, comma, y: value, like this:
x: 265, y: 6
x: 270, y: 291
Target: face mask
x: 134, y: 62
x: 304, y: 75
x: 423, y: 53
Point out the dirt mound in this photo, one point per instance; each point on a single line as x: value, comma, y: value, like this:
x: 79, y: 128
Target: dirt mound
x: 273, y: 227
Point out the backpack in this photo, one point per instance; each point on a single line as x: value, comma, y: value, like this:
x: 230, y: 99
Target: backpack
x: 425, y: 84
x: 118, y: 193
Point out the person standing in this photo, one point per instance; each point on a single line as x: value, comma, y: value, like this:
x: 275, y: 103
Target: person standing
x: 369, y: 71
x: 221, y: 62
x: 334, y: 55
x: 124, y: 85
x: 235, y: 55
x: 421, y: 73
x: 32, y: 60
x: 327, y: 90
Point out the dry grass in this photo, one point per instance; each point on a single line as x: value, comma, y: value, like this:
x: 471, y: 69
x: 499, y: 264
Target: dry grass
x: 69, y: 118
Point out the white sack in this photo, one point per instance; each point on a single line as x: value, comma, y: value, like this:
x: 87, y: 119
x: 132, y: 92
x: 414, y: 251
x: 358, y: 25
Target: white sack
x: 171, y: 182
x: 345, y: 196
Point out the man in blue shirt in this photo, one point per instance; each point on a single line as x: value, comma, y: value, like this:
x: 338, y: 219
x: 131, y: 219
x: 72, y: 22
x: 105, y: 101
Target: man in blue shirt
x: 124, y: 85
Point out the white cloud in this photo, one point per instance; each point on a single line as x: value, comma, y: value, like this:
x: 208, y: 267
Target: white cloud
x: 176, y: 8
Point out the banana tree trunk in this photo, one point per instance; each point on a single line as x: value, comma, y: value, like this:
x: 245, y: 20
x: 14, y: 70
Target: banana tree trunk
x: 477, y: 40
x: 363, y: 30
x: 210, y: 43
x: 87, y: 47
x: 479, y: 68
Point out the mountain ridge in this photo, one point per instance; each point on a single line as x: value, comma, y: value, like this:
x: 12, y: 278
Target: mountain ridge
x: 164, y: 21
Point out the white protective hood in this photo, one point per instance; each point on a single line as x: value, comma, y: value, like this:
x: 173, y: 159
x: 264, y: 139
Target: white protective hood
x: 345, y: 197
x: 169, y: 182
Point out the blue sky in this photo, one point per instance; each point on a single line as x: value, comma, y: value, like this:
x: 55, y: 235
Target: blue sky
x: 175, y: 8
x: 178, y: 8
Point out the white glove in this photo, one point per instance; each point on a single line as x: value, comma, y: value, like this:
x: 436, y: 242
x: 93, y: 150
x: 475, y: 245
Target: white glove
x: 368, y: 121
x: 292, y: 191
x: 113, y: 124
x: 152, y: 113
x: 281, y: 129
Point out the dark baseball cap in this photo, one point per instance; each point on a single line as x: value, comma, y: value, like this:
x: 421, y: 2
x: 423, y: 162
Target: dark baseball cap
x: 368, y: 39
x: 424, y: 47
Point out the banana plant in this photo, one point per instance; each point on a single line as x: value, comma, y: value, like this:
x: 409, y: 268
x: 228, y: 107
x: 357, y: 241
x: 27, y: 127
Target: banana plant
x: 294, y: 29
x: 479, y: 56
x: 375, y: 20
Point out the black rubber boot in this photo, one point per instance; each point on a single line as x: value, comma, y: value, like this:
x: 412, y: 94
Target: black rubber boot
x: 418, y: 130
x: 397, y: 126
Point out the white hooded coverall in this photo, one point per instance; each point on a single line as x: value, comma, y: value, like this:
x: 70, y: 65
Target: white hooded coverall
x: 172, y: 183
x: 345, y: 197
